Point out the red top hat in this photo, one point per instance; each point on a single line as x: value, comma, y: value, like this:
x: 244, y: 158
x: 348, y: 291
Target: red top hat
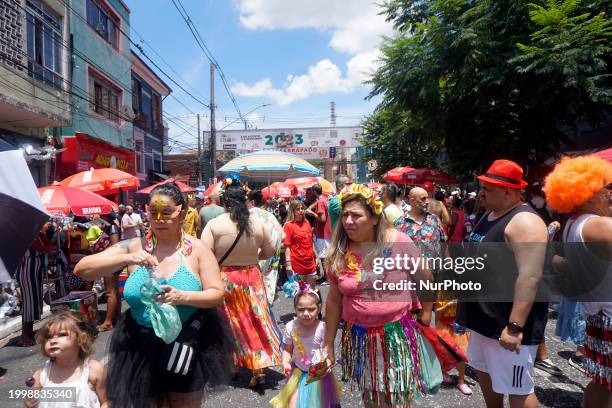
x: 504, y: 173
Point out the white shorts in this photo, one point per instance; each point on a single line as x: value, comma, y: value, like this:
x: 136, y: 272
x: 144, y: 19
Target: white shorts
x: 510, y: 373
x: 321, y: 245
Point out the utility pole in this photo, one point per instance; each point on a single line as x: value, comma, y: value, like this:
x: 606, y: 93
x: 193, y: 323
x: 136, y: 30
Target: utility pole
x: 199, y: 161
x: 213, y: 131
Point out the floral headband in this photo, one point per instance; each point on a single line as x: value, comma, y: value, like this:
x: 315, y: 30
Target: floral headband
x: 305, y: 288
x: 360, y: 190
x: 230, y: 180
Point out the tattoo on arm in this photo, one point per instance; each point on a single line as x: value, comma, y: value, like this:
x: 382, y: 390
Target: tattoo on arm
x: 125, y: 244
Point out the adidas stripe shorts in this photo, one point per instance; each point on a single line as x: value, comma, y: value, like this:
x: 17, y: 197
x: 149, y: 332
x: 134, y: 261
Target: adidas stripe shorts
x: 510, y: 373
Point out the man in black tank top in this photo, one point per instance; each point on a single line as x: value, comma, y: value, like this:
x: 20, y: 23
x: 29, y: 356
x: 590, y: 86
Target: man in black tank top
x: 505, y: 335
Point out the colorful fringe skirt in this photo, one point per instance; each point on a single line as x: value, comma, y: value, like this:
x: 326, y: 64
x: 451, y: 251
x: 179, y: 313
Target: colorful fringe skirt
x: 598, y: 349
x: 391, y: 363
x: 323, y: 393
x: 250, y: 318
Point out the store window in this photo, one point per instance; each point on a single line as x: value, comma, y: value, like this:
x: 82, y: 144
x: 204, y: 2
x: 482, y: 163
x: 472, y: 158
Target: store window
x: 44, y: 43
x: 103, y: 22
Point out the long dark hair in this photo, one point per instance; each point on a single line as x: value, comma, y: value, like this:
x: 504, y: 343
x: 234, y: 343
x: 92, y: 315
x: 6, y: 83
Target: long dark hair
x: 234, y: 201
x: 170, y: 190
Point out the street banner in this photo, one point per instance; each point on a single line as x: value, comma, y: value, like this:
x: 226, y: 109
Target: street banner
x: 301, y: 139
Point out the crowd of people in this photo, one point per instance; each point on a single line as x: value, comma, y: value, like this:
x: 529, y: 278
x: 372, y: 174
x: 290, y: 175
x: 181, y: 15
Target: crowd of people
x: 203, y: 272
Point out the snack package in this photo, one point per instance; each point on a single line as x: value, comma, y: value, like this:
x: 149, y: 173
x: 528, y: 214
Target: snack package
x: 318, y: 367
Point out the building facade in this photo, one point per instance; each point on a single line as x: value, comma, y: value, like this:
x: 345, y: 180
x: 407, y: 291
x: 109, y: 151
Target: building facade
x: 35, y: 63
x: 101, y: 134
x: 150, y: 132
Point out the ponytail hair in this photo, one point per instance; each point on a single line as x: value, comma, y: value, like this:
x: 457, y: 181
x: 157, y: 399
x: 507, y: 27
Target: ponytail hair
x: 233, y: 198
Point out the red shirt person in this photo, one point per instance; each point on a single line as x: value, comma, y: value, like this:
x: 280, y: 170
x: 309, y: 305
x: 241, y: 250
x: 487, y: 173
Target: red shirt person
x: 322, y: 222
x: 300, y: 255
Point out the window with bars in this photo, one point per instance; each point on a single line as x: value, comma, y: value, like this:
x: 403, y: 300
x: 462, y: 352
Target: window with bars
x: 44, y: 43
x: 102, y: 21
x: 104, y: 99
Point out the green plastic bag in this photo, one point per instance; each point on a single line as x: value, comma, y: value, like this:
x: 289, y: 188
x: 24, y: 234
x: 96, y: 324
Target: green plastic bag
x: 430, y: 366
x: 164, y: 318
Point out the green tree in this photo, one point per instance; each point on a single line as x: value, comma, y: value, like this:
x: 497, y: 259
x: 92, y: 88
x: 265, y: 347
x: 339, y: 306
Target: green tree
x: 480, y: 80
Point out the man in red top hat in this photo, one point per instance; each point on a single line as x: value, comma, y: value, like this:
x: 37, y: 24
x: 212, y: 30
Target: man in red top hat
x: 505, y: 334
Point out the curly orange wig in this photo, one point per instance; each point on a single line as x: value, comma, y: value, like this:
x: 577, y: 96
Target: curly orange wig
x: 575, y: 180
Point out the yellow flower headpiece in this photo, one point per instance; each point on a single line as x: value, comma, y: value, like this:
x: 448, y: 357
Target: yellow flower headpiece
x: 361, y: 190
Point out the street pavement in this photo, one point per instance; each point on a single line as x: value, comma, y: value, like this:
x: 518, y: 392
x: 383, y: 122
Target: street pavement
x: 557, y: 392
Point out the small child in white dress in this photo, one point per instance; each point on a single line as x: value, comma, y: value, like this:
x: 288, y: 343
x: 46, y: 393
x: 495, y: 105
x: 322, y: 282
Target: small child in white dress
x: 67, y: 339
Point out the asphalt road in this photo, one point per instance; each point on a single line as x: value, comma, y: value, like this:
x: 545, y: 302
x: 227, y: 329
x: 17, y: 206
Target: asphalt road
x: 558, y: 392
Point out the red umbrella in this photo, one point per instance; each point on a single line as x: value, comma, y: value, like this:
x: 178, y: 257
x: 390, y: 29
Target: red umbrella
x: 212, y: 189
x: 60, y: 200
x: 396, y: 175
x: 305, y: 182
x: 102, y: 181
x: 604, y: 154
x: 374, y: 185
x: 420, y: 176
x: 182, y: 186
x: 279, y: 189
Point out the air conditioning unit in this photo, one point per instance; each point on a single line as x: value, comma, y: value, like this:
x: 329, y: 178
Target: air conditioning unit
x: 128, y: 113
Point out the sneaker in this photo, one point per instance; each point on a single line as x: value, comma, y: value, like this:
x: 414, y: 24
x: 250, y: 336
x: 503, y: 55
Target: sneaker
x: 547, y: 366
x: 464, y: 388
x: 578, y: 362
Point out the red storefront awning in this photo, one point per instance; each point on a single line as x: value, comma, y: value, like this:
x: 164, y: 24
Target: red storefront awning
x: 84, y: 152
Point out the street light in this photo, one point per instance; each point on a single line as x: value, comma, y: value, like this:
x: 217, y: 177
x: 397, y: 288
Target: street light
x: 243, y: 117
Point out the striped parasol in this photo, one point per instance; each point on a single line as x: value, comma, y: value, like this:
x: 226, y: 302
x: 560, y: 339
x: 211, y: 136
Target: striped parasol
x: 269, y: 164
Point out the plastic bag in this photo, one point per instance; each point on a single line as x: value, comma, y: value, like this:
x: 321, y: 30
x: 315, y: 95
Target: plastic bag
x: 430, y: 366
x: 165, y: 319
x: 290, y: 287
x: 445, y: 347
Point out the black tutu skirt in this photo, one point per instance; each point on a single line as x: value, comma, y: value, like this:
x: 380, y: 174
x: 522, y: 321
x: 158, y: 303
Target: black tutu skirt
x: 137, y: 369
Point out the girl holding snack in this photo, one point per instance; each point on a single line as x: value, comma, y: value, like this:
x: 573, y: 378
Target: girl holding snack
x: 303, y: 361
x: 67, y: 340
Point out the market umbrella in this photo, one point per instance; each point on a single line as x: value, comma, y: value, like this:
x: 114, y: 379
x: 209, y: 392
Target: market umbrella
x: 212, y: 189
x: 374, y: 185
x: 305, y: 182
x: 604, y: 154
x: 102, y: 181
x: 420, y: 176
x: 22, y: 215
x: 182, y: 186
x: 396, y: 175
x: 60, y: 200
x: 269, y: 164
x: 278, y: 189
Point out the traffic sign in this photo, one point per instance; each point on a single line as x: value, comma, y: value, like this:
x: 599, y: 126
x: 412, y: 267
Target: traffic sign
x: 372, y: 165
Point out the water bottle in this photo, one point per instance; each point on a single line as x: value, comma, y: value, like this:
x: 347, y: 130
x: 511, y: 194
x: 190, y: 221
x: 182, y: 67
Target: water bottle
x: 155, y: 274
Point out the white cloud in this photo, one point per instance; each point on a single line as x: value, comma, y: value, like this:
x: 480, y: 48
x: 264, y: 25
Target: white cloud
x: 356, y: 29
x: 322, y: 77
x: 356, y: 25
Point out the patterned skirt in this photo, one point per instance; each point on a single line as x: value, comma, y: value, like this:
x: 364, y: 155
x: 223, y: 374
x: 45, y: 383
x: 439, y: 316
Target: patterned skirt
x: 393, y: 363
x: 598, y: 349
x: 250, y: 318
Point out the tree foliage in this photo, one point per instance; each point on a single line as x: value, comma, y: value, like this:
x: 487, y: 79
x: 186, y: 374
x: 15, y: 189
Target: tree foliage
x: 480, y: 80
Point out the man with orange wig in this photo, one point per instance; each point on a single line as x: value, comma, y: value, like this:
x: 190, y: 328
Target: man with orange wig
x: 582, y: 187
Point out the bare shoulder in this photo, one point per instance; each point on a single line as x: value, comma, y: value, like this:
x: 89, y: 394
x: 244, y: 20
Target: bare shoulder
x: 96, y: 371
x: 526, y: 227
x: 598, y: 229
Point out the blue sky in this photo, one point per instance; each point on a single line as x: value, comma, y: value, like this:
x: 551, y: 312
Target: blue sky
x: 295, y: 55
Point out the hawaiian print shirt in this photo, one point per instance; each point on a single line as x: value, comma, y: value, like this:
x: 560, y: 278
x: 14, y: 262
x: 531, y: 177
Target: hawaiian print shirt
x: 427, y: 234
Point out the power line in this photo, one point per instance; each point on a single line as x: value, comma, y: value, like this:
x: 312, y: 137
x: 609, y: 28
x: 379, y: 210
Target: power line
x: 206, y: 51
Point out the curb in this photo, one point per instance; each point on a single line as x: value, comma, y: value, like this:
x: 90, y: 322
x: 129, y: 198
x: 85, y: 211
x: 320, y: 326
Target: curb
x: 12, y: 325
